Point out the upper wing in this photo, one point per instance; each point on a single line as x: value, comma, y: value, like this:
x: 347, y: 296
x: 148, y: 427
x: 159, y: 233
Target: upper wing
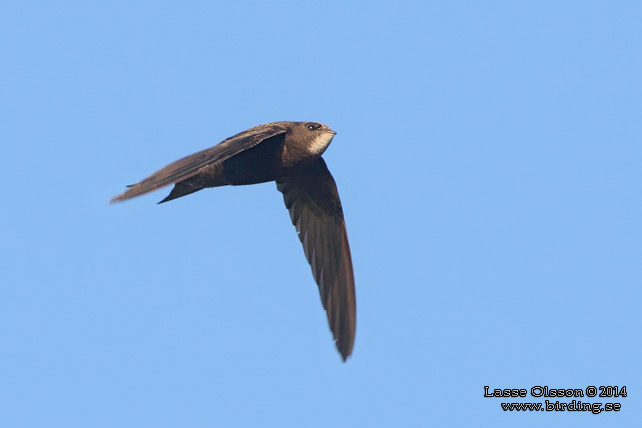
x: 189, y: 166
x: 312, y: 198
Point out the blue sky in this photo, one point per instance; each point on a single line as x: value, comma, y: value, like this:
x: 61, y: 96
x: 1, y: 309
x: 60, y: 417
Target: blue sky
x: 488, y: 158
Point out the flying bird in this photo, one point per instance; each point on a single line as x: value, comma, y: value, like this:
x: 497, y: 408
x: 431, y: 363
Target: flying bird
x: 288, y: 153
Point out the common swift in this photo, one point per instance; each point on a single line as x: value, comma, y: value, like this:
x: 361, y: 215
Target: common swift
x: 288, y: 153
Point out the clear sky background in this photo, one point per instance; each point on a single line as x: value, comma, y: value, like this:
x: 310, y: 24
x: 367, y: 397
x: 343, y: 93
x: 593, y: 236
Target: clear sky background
x: 488, y: 157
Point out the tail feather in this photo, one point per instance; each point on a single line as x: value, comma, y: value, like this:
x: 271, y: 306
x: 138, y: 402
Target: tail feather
x: 181, y: 189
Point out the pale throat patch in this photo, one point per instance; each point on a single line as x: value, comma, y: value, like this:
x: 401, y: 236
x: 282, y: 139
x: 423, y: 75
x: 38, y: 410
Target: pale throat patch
x: 320, y: 143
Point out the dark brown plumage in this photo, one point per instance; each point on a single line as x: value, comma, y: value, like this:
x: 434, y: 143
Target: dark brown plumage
x: 290, y: 154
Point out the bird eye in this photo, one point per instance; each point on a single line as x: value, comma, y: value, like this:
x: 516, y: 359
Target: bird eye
x: 312, y: 126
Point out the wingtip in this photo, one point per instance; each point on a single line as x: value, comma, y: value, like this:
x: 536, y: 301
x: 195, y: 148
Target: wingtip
x: 118, y: 198
x: 345, y: 353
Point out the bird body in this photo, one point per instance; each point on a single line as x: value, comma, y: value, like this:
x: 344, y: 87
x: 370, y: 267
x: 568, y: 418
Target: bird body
x: 288, y: 153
